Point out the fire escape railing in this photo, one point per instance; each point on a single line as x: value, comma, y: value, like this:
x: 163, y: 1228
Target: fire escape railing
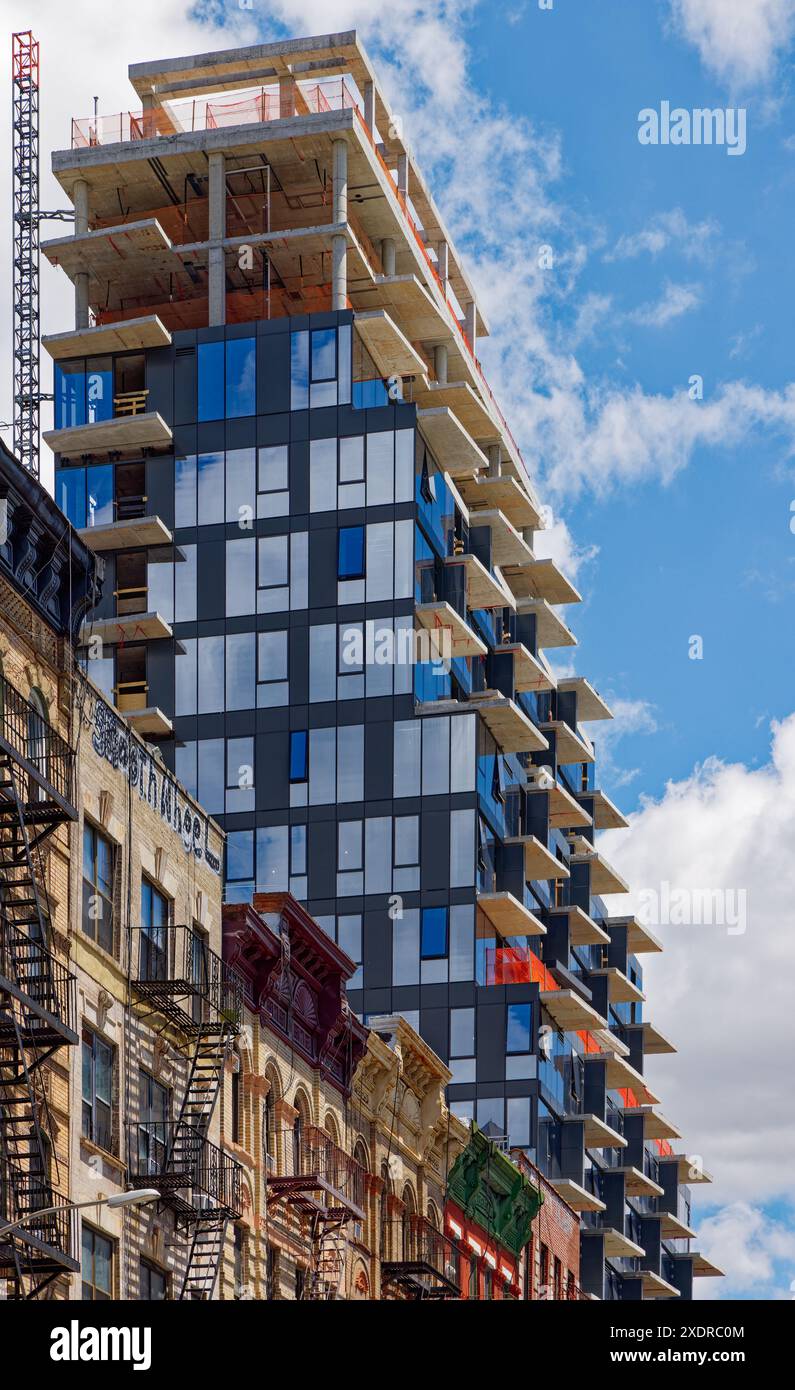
x: 419, y: 1258
x: 42, y: 755
x: 194, y: 1176
x: 176, y: 972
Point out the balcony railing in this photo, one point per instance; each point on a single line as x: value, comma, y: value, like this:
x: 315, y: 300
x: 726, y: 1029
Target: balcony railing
x: 194, y: 1177
x: 44, y: 758
x: 47, y: 990
x: 419, y: 1259
x: 315, y: 1173
x: 175, y: 971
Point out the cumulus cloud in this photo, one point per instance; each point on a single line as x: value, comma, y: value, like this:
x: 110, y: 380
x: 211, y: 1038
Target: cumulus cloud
x: 740, y: 41
x: 722, y: 993
x: 755, y: 1251
x: 674, y: 301
x: 667, y: 231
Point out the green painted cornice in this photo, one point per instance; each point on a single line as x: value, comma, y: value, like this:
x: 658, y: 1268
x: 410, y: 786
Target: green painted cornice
x: 490, y: 1189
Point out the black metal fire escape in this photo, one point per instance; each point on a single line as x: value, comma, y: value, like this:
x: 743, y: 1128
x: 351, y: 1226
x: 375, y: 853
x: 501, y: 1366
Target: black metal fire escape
x: 185, y: 982
x: 37, y: 994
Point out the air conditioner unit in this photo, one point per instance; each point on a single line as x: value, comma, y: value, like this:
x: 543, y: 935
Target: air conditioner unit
x: 541, y: 777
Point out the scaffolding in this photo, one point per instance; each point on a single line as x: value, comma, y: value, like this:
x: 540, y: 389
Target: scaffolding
x: 25, y: 185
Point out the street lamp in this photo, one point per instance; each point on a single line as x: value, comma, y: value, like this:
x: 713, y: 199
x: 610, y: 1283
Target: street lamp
x: 120, y: 1199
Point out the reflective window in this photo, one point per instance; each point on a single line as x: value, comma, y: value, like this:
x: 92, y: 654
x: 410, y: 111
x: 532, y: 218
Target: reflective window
x: 185, y: 490
x: 406, y: 854
x: 324, y: 354
x: 406, y: 948
x: 210, y: 661
x: 462, y: 1032
x: 185, y: 584
x: 241, y: 391
x: 322, y: 475
x: 462, y: 941
x: 462, y: 848
x: 186, y: 767
x: 70, y: 493
x: 350, y: 763
x: 210, y: 381
x: 433, y: 942
x: 70, y: 394
x: 518, y: 1028
x: 185, y: 674
x: 323, y: 662
x: 350, y: 552
x: 211, y: 775
x: 273, y: 871
x: 240, y: 670
x: 299, y: 371
x: 380, y: 561
x: 99, y: 495
x: 159, y: 597
x: 435, y: 756
x: 239, y: 775
x: 299, y: 755
x: 322, y: 764
x: 378, y: 854
x: 240, y: 486
x: 273, y: 595
x: 407, y: 754
x: 349, y: 845
x: 98, y: 878
x: 99, y: 389
x: 299, y: 569
x: 241, y: 559
x: 272, y: 682
x: 210, y: 489
x: 273, y: 481
x: 518, y: 1108
x: 380, y: 468
x: 240, y: 854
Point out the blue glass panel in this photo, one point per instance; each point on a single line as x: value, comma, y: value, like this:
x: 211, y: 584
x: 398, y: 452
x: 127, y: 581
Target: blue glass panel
x: 70, y: 394
x: 240, y: 854
x: 71, y: 494
x: 518, y: 1028
x: 211, y: 381
x: 367, y: 395
x: 299, y: 371
x: 433, y: 941
x: 324, y: 354
x: 350, y: 552
x: 241, y: 381
x: 99, y: 389
x: 185, y: 491
x: 299, y: 755
x: 99, y: 495
x: 210, y: 488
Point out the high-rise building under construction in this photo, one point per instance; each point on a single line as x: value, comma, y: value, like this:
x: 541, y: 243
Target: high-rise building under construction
x: 322, y: 601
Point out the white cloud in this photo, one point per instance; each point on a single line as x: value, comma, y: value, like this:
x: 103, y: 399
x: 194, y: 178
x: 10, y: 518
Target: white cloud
x: 755, y: 1251
x: 674, y: 301
x: 667, y: 231
x: 724, y: 998
x: 629, y: 717
x: 740, y: 41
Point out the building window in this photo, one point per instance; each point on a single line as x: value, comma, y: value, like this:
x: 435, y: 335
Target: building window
x: 241, y: 379
x: 154, y: 932
x: 272, y: 679
x: 96, y: 1265
x: 350, y: 552
x: 299, y: 755
x: 241, y: 578
x: 240, y: 790
x: 518, y: 1028
x: 97, y: 1090
x: 273, y: 579
x: 433, y: 939
x: 209, y: 489
x: 98, y: 865
x: 211, y: 381
x: 235, y: 1088
x: 153, y: 1118
x: 462, y: 1032
x: 273, y: 481
x: 152, y: 1283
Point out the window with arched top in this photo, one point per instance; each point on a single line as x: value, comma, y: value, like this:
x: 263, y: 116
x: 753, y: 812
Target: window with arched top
x: 269, y: 1143
x: 330, y: 1126
x: 433, y: 1216
x: 409, y: 1200
x: 300, y: 1123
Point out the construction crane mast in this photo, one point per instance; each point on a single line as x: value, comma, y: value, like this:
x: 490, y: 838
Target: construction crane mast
x: 25, y: 175
x: 27, y: 217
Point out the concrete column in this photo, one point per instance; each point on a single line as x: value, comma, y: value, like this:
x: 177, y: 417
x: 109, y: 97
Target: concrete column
x: 217, y: 231
x: 369, y: 106
x: 388, y: 255
x: 80, y: 200
x: 440, y: 361
x: 403, y: 173
x: 340, y: 176
x: 339, y: 273
x: 528, y: 535
x: 494, y: 455
x: 287, y: 88
x: 339, y: 270
x: 442, y: 262
x: 470, y: 322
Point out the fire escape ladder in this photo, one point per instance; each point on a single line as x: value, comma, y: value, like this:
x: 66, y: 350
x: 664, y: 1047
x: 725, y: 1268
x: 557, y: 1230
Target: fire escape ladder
x: 203, y: 1260
x: 329, y: 1247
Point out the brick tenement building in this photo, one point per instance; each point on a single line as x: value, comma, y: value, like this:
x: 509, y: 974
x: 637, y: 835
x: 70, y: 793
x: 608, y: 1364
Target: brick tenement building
x: 343, y: 1134
x: 552, y: 1253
